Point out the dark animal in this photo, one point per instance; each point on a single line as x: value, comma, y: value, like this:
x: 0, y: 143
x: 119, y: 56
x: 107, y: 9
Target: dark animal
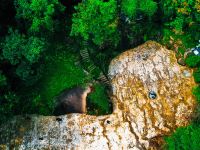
x: 72, y: 101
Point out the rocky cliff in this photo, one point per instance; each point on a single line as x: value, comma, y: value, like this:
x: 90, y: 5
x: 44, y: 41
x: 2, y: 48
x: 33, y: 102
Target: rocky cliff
x: 151, y: 94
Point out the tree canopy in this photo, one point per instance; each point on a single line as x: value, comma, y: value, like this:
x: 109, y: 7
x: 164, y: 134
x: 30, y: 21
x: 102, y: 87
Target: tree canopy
x: 39, y: 14
x: 96, y: 20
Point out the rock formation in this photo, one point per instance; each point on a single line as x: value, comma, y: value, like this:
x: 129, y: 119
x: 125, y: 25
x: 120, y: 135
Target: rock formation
x: 151, y: 94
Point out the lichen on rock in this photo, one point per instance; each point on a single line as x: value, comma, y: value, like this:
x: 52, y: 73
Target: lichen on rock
x: 137, y: 122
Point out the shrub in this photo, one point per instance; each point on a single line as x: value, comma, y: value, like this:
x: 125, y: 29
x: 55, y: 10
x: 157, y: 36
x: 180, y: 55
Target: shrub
x: 197, y: 75
x: 185, y: 138
x: 100, y: 101
x: 9, y: 103
x: 193, y: 61
x: 196, y: 92
x: 3, y: 81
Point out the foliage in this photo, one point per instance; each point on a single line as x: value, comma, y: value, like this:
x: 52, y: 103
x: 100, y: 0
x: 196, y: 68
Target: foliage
x: 181, y: 31
x: 12, y: 47
x: 148, y: 7
x: 23, y: 52
x: 99, y: 21
x: 193, y: 61
x: 178, y: 23
x: 187, y: 138
x: 136, y: 22
x: 181, y: 22
x: 39, y: 14
x: 181, y: 14
x: 16, y: 47
x: 60, y: 73
x: 129, y: 7
x: 96, y: 20
x: 100, y: 99
x: 8, y: 103
x: 3, y: 81
x: 196, y: 92
x: 28, y: 73
x: 197, y: 75
x: 132, y: 7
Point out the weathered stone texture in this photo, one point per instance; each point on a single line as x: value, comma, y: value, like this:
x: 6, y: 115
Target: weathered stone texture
x: 137, y: 122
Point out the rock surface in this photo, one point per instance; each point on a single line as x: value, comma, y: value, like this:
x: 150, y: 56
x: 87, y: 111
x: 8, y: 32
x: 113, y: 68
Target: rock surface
x: 137, y: 122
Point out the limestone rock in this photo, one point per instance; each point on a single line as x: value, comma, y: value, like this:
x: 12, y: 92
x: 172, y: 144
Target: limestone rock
x: 137, y: 122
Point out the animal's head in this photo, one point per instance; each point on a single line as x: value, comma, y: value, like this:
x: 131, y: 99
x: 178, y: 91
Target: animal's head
x: 90, y: 88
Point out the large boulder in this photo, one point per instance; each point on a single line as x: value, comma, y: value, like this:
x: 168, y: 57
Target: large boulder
x: 151, y: 94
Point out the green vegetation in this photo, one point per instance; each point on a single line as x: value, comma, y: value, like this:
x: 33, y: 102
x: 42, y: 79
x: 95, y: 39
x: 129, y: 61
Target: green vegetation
x: 17, y: 48
x: 22, y: 52
x: 10, y: 103
x: 60, y: 73
x: 133, y: 7
x: 96, y: 20
x: 187, y: 138
x: 196, y: 92
x: 183, y: 18
x: 197, y: 75
x: 193, y: 61
x: 39, y: 15
x: 47, y: 46
x: 100, y: 99
x: 2, y: 80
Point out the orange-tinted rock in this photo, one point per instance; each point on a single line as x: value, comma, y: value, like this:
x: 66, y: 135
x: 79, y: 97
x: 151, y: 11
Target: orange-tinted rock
x: 151, y: 67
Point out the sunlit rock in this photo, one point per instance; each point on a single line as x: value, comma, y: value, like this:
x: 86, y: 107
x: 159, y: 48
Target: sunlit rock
x: 152, y: 96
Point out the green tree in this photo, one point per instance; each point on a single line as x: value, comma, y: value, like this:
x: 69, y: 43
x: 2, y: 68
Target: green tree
x: 9, y: 102
x: 39, y: 15
x: 133, y: 7
x: 23, y: 52
x: 129, y: 7
x: 104, y: 22
x: 18, y: 47
x: 96, y: 20
x: 181, y: 14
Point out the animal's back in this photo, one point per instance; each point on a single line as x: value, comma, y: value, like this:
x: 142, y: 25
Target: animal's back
x: 70, y: 101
